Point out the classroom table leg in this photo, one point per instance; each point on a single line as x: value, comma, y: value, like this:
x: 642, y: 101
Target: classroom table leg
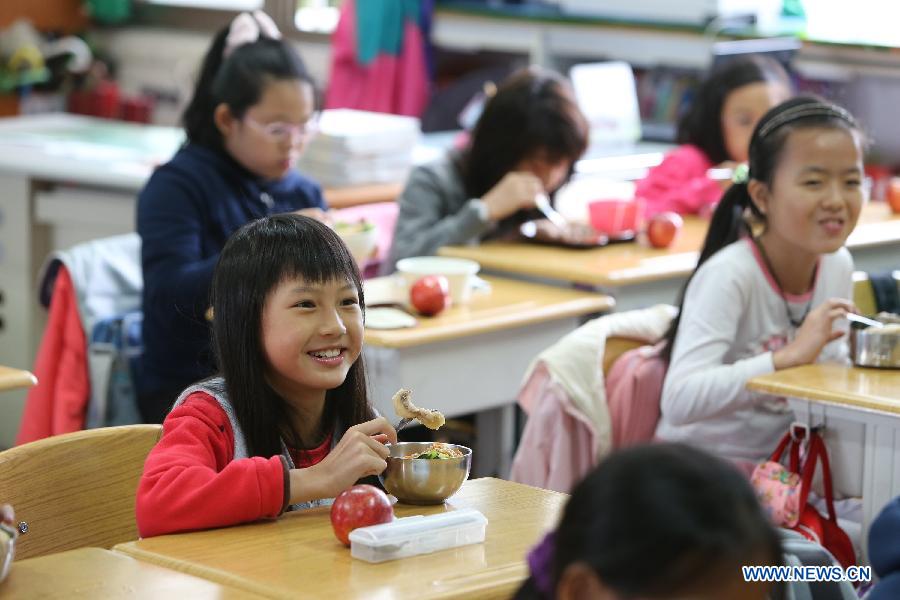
x: 495, y: 439
x: 17, y: 296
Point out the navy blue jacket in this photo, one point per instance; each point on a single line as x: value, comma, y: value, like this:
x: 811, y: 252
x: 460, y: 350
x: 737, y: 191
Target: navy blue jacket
x: 186, y: 212
x: 884, y: 552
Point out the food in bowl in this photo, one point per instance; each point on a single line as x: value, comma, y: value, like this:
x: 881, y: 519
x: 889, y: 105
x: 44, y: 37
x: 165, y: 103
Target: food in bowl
x: 346, y: 227
x: 418, y: 481
x: 361, y: 238
x: 876, y: 346
x: 438, y: 451
x: 573, y: 235
x: 405, y: 409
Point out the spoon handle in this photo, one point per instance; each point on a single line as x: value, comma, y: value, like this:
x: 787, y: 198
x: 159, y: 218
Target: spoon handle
x: 543, y: 205
x: 864, y: 320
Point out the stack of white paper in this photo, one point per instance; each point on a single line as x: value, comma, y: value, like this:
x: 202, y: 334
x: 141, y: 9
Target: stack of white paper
x: 355, y: 147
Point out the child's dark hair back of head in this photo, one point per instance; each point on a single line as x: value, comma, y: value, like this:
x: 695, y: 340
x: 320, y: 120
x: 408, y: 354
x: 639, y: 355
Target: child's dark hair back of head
x: 255, y: 260
x: 728, y: 223
x: 701, y: 125
x: 661, y: 521
x: 533, y: 111
x: 238, y: 81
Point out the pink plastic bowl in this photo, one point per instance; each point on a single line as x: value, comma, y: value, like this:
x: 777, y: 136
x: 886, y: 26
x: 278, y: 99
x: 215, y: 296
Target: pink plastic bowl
x: 615, y: 217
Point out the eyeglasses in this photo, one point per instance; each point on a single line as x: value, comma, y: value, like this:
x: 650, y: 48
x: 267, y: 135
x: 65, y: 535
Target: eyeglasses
x: 281, y: 131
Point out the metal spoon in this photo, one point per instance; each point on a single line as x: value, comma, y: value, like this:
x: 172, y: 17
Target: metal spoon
x: 864, y: 320
x: 402, y: 423
x: 542, y: 202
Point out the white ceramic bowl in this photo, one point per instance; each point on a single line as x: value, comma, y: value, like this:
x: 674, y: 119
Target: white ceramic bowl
x: 458, y: 271
x: 361, y: 240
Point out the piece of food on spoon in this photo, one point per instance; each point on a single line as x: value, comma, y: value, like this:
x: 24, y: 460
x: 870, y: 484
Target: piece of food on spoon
x: 405, y: 409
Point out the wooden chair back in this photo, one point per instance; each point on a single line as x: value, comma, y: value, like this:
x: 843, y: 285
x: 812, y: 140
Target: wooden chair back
x: 76, y: 489
x: 863, y: 295
x: 616, y: 347
x: 14, y: 379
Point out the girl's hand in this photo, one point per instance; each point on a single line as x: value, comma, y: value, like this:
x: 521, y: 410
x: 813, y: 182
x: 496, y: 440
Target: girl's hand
x: 514, y: 192
x: 7, y: 515
x: 315, y: 213
x: 360, y: 452
x: 816, y: 331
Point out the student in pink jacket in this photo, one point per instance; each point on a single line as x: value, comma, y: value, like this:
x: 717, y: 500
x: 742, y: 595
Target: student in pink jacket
x: 714, y: 132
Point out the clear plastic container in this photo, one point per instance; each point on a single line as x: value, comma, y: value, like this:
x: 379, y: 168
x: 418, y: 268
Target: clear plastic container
x: 417, y: 535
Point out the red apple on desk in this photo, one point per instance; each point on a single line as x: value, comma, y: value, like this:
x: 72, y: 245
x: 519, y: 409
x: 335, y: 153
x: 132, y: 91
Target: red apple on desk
x: 430, y: 294
x: 359, y: 506
x: 893, y: 194
x: 663, y: 228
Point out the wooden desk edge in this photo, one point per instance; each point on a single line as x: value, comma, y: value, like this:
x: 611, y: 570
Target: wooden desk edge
x: 215, y: 575
x: 634, y: 275
x: 342, y: 197
x: 822, y: 397
x: 406, y: 338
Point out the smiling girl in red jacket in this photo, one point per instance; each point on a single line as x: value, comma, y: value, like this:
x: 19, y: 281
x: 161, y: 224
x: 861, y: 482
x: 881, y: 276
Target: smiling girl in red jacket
x: 287, y: 424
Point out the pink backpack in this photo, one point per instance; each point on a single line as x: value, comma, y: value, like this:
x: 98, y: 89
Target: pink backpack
x: 633, y: 392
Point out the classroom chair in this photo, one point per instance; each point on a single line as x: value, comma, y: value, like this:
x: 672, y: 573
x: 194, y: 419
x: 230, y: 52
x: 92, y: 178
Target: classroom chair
x: 91, y: 341
x: 77, y: 489
x: 616, y: 346
x: 14, y: 379
x: 864, y: 294
x: 582, y: 400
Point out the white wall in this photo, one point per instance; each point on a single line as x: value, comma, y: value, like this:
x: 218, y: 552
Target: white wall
x: 167, y: 61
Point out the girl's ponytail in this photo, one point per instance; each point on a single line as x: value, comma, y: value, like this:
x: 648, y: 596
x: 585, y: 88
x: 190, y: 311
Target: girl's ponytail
x: 726, y: 226
x: 198, y: 116
x: 243, y: 58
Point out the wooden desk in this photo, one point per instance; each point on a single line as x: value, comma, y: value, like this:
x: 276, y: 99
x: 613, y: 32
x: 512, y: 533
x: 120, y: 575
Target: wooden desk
x: 91, y: 573
x: 13, y: 379
x: 298, y: 555
x: 845, y: 398
x: 343, y: 197
x: 639, y: 275
x: 472, y: 358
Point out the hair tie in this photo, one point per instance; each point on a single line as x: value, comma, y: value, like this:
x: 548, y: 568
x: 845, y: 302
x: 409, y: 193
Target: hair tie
x: 806, y: 110
x: 741, y: 174
x: 246, y: 29
x: 540, y: 563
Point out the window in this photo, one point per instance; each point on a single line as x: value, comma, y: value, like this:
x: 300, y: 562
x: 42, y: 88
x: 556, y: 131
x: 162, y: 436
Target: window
x: 319, y: 16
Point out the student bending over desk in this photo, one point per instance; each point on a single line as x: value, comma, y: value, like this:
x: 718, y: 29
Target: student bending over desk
x: 525, y: 143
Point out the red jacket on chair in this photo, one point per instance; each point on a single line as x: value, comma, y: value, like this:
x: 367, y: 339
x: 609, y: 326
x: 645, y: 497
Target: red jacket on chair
x: 58, y: 403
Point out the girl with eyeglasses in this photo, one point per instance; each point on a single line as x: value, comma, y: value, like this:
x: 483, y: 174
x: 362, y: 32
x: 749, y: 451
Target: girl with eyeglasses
x: 251, y: 115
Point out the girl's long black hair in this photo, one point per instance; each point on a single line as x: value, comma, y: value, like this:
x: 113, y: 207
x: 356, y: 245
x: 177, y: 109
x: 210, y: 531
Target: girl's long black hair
x: 701, y: 125
x: 533, y: 112
x: 657, y: 520
x: 238, y: 81
x: 728, y: 222
x: 258, y: 257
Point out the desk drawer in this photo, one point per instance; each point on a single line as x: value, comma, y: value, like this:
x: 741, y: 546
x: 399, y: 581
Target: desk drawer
x: 79, y: 214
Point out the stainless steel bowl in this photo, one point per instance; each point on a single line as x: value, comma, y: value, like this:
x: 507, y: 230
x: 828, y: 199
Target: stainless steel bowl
x: 875, y: 347
x: 422, y: 480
